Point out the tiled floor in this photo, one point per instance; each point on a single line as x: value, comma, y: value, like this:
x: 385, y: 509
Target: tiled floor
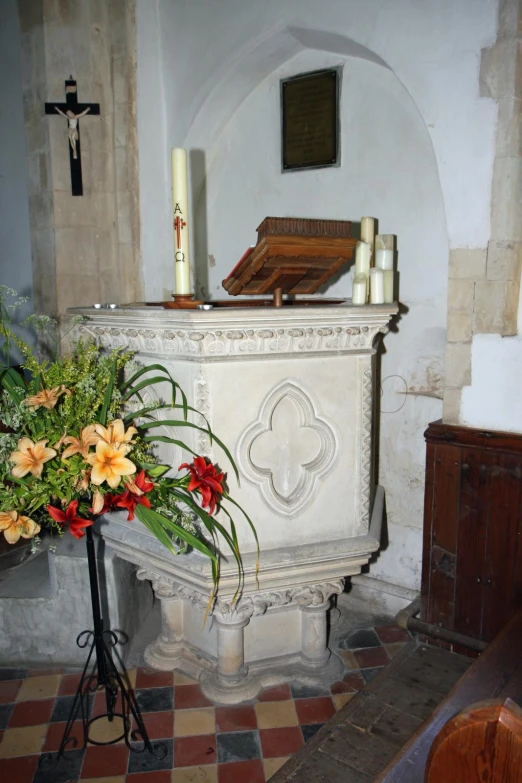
x: 205, y: 742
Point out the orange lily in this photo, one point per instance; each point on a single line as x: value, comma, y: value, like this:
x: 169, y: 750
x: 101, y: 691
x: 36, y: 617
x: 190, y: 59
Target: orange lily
x: 47, y: 398
x: 115, y: 434
x: 88, y: 437
x: 15, y: 526
x: 30, y: 457
x: 110, y: 464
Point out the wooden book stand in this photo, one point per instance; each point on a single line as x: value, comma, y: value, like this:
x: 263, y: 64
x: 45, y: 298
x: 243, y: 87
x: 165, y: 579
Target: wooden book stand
x: 292, y: 256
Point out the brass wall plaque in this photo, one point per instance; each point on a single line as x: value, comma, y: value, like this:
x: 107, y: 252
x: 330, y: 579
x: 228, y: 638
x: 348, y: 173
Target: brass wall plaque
x: 310, y: 120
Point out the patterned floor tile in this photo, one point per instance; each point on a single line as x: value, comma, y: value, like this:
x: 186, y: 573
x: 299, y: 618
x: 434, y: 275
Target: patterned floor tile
x: 155, y: 699
x: 13, y: 674
x: 31, y: 713
x: 189, y: 723
x: 9, y: 690
x: 39, y: 688
x: 364, y: 637
x: 277, y: 693
x: 25, y: 741
x: 244, y: 771
x: 371, y: 657
x: 308, y: 691
x: 159, y: 776
x: 20, y: 770
x: 159, y: 725
x: 316, y: 710
x: 195, y: 751
x: 310, y: 730
x: 369, y: 674
x: 276, y: 714
x: 109, y: 760
x: 392, y: 633
x: 152, y: 762
x: 6, y: 711
x: 237, y: 718
x: 64, y: 704
x: 151, y: 678
x: 280, y: 742
x: 205, y: 743
x: 238, y: 746
x: 341, y: 699
x: 55, y: 734
x: 190, y: 696
x: 271, y: 766
x: 206, y: 774
x: 66, y: 769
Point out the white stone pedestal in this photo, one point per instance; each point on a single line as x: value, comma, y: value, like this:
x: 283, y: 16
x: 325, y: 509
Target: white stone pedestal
x: 289, y: 390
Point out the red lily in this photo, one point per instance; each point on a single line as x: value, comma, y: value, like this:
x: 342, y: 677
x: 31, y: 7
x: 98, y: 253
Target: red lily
x: 207, y: 480
x: 76, y: 524
x: 134, y: 494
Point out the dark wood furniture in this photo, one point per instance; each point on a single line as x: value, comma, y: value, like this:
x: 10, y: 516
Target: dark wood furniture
x: 292, y: 256
x: 368, y: 732
x: 472, y: 551
x: 489, y: 733
x: 385, y: 733
x: 497, y: 674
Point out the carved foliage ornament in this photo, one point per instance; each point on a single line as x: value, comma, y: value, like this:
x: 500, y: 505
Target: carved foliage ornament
x: 249, y: 606
x: 287, y: 449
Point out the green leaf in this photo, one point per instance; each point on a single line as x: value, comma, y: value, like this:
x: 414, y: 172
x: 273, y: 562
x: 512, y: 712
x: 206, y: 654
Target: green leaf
x: 102, y: 415
x: 159, y: 367
x: 174, y: 423
x: 151, y: 518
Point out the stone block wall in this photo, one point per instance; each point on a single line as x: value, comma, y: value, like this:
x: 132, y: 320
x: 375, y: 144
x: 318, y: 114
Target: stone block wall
x: 85, y: 248
x: 484, y: 283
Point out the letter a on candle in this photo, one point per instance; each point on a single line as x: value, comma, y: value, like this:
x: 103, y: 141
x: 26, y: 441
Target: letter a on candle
x: 180, y: 221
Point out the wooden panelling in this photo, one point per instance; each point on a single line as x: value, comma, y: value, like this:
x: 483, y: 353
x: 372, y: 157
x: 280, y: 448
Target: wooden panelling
x: 472, y: 574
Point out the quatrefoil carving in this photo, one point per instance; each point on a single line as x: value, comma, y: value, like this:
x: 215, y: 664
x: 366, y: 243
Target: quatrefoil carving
x: 287, y: 450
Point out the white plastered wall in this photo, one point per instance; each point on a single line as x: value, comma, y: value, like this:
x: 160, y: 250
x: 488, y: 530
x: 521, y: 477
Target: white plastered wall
x: 417, y: 152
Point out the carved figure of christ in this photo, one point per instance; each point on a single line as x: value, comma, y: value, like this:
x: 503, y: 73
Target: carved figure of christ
x: 72, y: 111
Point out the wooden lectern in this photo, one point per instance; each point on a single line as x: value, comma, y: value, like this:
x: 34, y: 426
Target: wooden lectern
x: 292, y: 256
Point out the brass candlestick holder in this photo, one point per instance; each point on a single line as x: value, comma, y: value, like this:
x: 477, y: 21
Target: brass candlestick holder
x: 183, y: 302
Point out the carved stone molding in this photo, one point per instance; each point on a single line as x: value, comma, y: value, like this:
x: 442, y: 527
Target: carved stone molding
x: 248, y: 606
x: 259, y: 603
x: 164, y: 587
x: 202, y: 403
x: 202, y: 344
x: 287, y: 450
x: 366, y: 444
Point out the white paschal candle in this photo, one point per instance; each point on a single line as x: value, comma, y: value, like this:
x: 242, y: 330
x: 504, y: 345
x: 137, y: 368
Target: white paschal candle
x: 383, y: 258
x: 360, y: 290
x: 376, y: 286
x: 368, y: 231
x: 389, y: 280
x: 180, y: 221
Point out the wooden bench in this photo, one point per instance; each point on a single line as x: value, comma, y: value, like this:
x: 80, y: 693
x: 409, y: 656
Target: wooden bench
x: 384, y: 734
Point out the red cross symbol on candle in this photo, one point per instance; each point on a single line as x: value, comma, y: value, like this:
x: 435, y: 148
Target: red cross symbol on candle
x: 179, y: 225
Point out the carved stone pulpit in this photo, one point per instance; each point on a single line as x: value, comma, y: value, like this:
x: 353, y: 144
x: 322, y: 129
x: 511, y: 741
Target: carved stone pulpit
x: 290, y: 392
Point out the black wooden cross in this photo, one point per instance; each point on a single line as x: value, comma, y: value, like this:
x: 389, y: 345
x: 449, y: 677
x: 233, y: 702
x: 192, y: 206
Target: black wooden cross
x: 72, y: 111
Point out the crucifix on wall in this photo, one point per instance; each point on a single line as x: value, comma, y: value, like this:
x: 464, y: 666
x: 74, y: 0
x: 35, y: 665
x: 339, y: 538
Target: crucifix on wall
x: 72, y: 111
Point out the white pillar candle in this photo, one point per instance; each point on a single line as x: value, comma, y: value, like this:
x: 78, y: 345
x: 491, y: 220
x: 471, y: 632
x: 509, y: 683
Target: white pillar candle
x: 368, y: 231
x: 389, y: 280
x: 360, y: 290
x: 376, y: 286
x: 180, y: 221
x: 383, y: 258
x: 384, y: 242
x: 363, y: 254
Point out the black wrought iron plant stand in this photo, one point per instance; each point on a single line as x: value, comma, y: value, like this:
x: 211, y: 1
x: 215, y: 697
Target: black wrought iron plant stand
x: 100, y: 673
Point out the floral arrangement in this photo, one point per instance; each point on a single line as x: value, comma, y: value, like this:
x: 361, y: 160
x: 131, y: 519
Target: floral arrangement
x: 78, y: 440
